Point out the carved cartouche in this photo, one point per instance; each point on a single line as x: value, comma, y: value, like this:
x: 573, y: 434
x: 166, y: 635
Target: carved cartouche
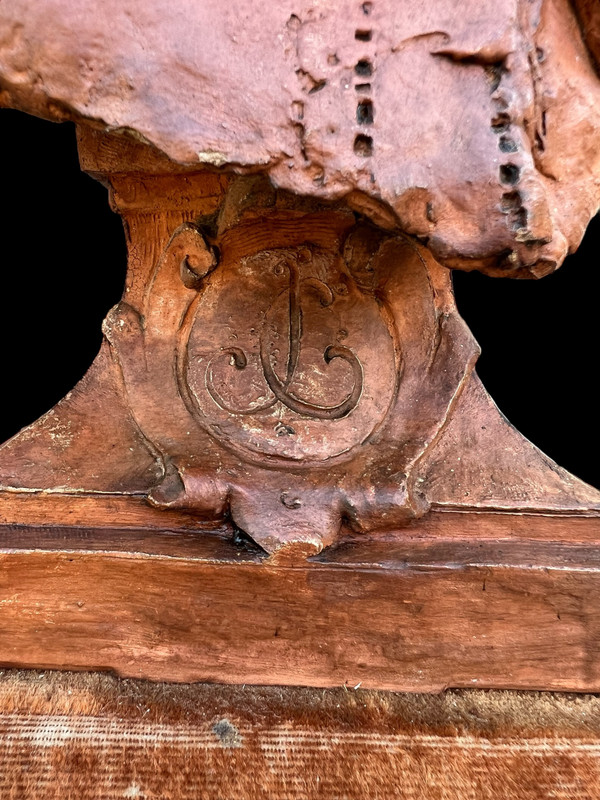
x: 290, y: 370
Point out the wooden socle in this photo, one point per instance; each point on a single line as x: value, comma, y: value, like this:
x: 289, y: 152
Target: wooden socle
x: 458, y: 600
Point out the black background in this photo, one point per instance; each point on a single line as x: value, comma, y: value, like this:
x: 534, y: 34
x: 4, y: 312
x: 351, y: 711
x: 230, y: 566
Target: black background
x: 62, y: 266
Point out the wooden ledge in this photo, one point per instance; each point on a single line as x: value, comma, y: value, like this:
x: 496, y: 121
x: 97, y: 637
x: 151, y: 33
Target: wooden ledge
x: 479, y: 599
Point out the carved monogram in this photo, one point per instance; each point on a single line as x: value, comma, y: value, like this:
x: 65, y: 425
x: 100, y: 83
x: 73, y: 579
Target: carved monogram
x: 293, y: 371
x: 280, y: 386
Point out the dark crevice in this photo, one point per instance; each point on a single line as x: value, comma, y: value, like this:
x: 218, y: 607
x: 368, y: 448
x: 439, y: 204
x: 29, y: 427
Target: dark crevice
x: 494, y: 73
x: 364, y: 112
x: 244, y: 542
x: 507, y: 144
x: 510, y: 174
x: 318, y: 86
x: 539, y: 142
x: 363, y: 145
x: 293, y: 22
x: 512, y: 205
x: 500, y: 122
x: 493, y: 65
x: 300, y: 133
x: 298, y: 109
x: 310, y: 84
x: 363, y: 68
x: 511, y: 201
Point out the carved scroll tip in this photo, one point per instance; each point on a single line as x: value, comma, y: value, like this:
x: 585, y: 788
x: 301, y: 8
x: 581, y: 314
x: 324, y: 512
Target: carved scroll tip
x: 290, y: 553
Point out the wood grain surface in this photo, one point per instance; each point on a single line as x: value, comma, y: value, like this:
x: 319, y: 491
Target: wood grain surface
x: 514, y: 606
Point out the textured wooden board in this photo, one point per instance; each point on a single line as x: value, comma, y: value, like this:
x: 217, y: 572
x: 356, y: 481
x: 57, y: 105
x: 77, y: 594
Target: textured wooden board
x: 411, y: 612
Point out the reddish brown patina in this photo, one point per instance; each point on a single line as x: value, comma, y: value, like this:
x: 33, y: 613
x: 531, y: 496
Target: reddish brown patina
x: 473, y: 125
x: 287, y: 360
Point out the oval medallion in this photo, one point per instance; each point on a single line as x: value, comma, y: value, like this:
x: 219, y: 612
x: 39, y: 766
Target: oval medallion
x: 287, y: 357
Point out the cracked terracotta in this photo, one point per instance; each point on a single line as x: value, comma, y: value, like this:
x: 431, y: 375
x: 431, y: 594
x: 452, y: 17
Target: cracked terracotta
x: 472, y: 127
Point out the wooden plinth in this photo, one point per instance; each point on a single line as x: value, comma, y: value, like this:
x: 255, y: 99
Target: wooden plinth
x: 458, y: 599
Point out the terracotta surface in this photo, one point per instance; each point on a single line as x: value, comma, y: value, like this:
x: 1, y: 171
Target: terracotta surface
x: 278, y: 365
x: 473, y: 126
x: 282, y: 466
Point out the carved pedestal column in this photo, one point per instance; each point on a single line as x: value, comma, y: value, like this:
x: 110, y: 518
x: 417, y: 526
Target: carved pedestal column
x: 281, y: 379
x: 291, y: 370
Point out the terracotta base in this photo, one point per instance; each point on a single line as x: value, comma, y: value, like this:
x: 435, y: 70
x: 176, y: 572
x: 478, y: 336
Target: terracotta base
x: 282, y: 468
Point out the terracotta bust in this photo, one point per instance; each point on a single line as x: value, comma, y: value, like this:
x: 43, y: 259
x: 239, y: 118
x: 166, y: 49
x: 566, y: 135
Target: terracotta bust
x: 296, y: 183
